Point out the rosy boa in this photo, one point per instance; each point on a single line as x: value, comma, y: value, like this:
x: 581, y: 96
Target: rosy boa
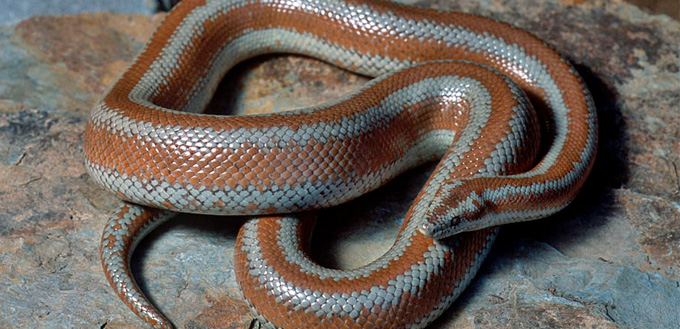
x: 501, y: 161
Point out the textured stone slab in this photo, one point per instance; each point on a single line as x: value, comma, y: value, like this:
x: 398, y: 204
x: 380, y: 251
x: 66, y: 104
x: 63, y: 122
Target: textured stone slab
x: 15, y: 11
x: 610, y: 260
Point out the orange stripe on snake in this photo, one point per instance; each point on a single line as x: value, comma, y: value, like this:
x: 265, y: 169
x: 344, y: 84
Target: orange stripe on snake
x: 450, y: 87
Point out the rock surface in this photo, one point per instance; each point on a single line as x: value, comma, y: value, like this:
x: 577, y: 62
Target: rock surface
x: 15, y: 11
x: 610, y: 260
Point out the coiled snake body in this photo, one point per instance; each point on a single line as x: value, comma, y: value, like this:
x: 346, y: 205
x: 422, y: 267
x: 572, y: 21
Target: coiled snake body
x: 501, y: 161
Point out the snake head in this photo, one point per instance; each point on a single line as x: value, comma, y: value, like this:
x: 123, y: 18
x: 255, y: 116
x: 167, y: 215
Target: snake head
x: 443, y: 220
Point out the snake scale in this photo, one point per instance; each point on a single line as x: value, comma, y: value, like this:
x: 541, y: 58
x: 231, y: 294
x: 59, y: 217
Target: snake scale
x: 511, y: 123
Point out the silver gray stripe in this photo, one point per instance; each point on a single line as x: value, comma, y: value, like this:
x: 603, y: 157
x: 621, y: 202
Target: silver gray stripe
x: 198, y: 199
x: 282, y: 136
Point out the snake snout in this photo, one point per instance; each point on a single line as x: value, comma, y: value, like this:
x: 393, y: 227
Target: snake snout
x: 440, y: 227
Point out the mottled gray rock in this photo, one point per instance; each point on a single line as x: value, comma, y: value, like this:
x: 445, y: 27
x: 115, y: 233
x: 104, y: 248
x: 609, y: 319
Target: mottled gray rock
x: 608, y: 261
x: 15, y: 11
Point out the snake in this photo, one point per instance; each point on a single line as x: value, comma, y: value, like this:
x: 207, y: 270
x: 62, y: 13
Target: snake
x: 509, y: 120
